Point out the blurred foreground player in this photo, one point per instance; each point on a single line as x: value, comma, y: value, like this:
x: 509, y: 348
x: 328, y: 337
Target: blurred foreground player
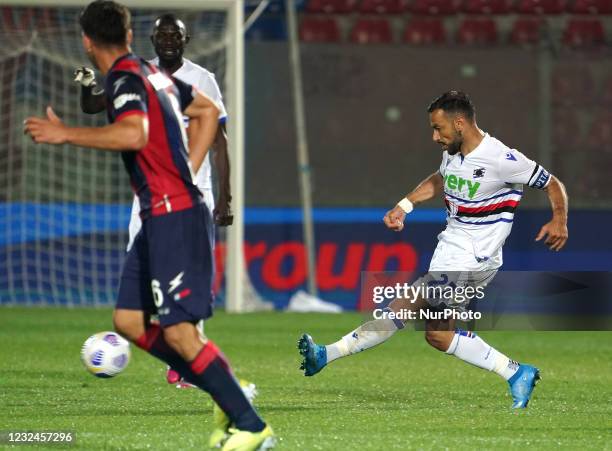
x: 165, y: 272
x: 482, y: 181
x: 169, y: 38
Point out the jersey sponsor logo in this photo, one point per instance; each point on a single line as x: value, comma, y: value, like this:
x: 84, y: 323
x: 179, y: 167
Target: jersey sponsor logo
x: 510, y: 157
x: 120, y: 101
x: 460, y: 184
x: 479, y: 172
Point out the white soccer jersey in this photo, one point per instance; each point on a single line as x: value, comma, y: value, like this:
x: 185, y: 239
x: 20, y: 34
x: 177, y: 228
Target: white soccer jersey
x: 481, y: 192
x: 205, y: 81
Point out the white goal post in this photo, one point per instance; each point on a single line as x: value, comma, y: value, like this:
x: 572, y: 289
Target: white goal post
x: 234, y: 96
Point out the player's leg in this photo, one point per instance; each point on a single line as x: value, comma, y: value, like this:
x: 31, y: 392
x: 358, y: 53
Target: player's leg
x: 181, y: 270
x: 469, y: 347
x: 366, y: 336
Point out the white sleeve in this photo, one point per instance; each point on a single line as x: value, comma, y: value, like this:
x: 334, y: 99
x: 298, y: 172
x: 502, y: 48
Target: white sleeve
x: 514, y: 167
x: 208, y: 85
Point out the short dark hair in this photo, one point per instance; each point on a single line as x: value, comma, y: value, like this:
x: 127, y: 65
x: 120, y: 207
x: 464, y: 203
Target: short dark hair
x: 454, y: 102
x: 106, y: 22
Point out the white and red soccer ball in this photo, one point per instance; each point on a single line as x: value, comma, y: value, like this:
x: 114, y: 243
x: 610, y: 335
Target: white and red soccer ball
x: 105, y: 354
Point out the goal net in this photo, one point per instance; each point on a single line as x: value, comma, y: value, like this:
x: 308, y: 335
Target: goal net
x: 64, y: 210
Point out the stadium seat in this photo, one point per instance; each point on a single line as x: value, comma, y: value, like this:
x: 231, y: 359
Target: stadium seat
x: 382, y: 6
x: 540, y: 6
x: 315, y: 29
x: 590, y: 7
x: 420, y: 31
x: 487, y: 6
x: 434, y: 7
x: 526, y: 31
x: 371, y: 31
x: 477, y: 31
x: 268, y: 28
x: 331, y: 6
x: 581, y: 33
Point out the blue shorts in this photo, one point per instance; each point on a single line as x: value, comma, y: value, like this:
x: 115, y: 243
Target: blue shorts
x: 169, y: 269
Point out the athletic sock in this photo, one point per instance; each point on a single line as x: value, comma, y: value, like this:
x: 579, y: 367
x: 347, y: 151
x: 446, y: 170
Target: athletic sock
x: 472, y: 349
x: 209, y: 371
x: 364, y: 337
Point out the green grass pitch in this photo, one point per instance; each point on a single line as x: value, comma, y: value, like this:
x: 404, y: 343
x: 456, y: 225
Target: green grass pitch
x: 402, y: 395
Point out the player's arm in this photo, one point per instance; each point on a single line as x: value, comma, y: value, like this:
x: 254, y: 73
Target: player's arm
x: 130, y: 133
x: 91, y: 102
x: 203, y: 115
x: 555, y: 231
x: 515, y: 167
x: 222, y: 213
x: 429, y: 188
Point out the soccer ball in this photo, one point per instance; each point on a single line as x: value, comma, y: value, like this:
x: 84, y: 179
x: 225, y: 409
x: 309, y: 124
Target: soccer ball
x: 105, y: 354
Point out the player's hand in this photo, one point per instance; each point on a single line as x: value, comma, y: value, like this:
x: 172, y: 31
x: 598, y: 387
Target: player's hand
x: 222, y: 214
x: 394, y: 219
x: 556, y: 234
x: 50, y: 130
x: 85, y: 76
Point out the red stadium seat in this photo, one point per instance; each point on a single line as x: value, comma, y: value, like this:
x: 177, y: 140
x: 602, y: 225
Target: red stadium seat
x: 434, y: 7
x: 316, y: 29
x: 580, y: 33
x: 591, y: 7
x: 371, y: 31
x: 477, y: 32
x: 420, y: 31
x: 526, y: 31
x: 331, y: 6
x: 382, y: 6
x: 540, y: 6
x: 487, y: 6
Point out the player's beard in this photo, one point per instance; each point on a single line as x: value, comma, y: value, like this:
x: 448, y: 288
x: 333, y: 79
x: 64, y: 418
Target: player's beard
x: 455, y: 146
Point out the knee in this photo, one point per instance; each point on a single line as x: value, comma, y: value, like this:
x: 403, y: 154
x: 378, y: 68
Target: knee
x: 440, y: 340
x: 173, y: 337
x: 126, y: 325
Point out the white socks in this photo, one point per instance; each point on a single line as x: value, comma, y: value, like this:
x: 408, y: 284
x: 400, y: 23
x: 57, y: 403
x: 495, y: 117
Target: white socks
x: 364, y: 337
x: 470, y: 348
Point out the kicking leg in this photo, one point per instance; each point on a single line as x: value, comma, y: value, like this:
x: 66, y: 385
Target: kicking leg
x: 366, y: 336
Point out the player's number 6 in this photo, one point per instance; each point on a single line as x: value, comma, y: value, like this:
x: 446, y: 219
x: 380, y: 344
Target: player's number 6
x: 158, y: 294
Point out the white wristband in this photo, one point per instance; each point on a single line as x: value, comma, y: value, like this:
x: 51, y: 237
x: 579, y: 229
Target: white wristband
x: 406, y: 205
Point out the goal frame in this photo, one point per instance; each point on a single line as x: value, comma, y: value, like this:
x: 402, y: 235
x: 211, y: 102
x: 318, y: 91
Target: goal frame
x: 234, y: 84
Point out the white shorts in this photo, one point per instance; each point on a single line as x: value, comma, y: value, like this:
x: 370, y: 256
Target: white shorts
x: 454, y: 266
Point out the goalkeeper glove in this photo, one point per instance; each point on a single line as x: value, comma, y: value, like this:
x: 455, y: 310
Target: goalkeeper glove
x: 85, y: 76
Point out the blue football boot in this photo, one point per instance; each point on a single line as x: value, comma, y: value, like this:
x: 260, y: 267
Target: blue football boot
x: 315, y: 356
x: 522, y: 384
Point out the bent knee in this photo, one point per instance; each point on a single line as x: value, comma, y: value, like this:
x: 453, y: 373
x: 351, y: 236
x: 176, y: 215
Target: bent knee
x: 441, y: 340
x: 127, y: 324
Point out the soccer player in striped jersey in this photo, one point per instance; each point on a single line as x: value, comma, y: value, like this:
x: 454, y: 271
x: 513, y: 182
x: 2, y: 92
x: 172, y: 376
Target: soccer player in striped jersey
x: 482, y: 181
x: 165, y: 273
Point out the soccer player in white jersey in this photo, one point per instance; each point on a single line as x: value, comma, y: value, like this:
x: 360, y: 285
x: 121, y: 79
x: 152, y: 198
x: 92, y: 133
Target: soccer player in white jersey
x: 482, y: 181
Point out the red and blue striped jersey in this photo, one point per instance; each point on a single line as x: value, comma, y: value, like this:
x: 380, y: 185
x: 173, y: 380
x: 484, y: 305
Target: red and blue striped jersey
x: 160, y: 173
